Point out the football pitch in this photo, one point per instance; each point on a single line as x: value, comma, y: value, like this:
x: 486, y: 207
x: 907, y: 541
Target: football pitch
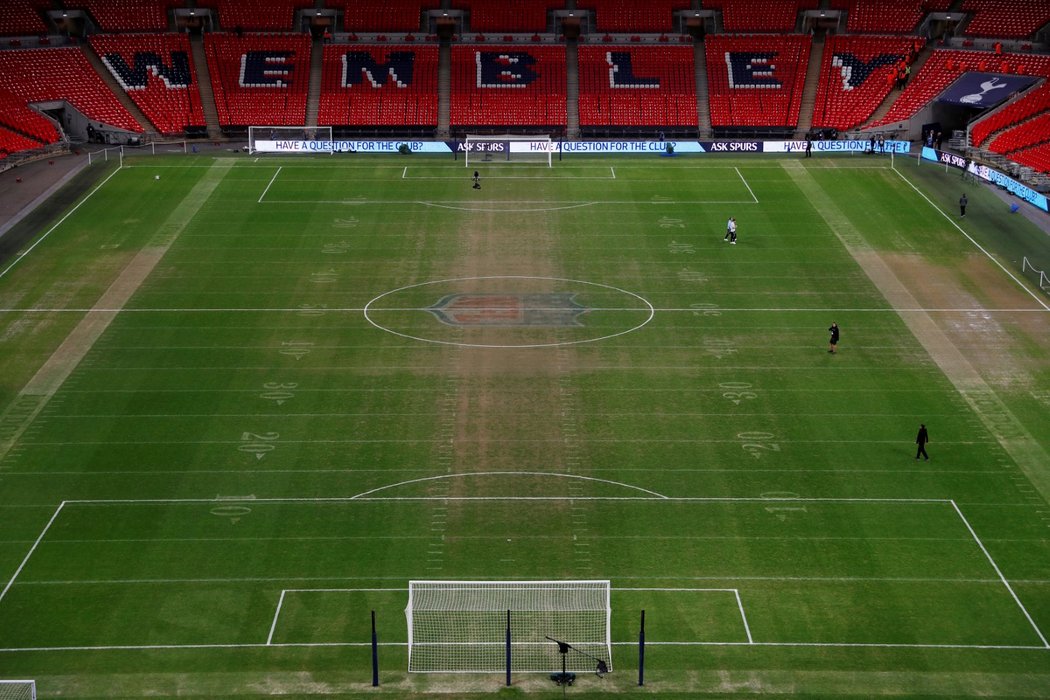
x: 244, y: 401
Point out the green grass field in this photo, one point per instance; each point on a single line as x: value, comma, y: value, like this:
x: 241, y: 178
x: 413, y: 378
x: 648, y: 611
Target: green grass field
x: 245, y: 404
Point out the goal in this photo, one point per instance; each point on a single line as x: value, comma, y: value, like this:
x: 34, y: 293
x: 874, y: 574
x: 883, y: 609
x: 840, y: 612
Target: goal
x: 17, y: 690
x: 508, y: 149
x: 290, y: 139
x: 461, y: 626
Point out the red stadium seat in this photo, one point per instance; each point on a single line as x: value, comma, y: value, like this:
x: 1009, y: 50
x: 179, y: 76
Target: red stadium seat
x: 1028, y: 133
x: 756, y: 80
x: 23, y: 17
x: 171, y: 102
x: 1006, y: 18
x: 508, y: 86
x: 259, y: 78
x: 625, y: 16
x: 256, y: 15
x: 125, y: 15
x: 31, y: 129
x: 1036, y: 157
x: 386, y: 16
x: 508, y: 15
x: 654, y: 86
x: 1036, y: 101
x: 766, y: 16
x: 881, y: 16
x: 391, y: 86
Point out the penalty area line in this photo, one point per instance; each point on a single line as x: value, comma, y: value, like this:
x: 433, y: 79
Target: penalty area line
x: 31, y: 550
x: 746, y: 185
x: 272, y: 179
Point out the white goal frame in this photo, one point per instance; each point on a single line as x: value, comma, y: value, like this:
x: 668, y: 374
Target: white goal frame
x: 294, y: 140
x: 460, y: 626
x: 508, y: 148
x: 17, y: 690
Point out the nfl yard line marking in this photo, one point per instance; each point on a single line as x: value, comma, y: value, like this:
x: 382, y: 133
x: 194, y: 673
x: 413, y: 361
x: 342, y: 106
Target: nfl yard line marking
x: 1039, y: 633
x: 70, y: 213
x: 272, y: 179
x: 991, y: 257
x: 746, y: 185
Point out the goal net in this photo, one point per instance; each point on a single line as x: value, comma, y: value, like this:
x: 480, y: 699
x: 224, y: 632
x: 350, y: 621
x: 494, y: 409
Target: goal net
x: 290, y: 139
x: 508, y: 149
x: 17, y: 690
x: 460, y: 626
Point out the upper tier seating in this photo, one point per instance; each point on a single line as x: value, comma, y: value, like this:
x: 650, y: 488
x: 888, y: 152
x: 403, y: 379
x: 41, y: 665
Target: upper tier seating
x: 259, y: 79
x: 624, y: 16
x: 125, y: 15
x: 856, y: 74
x: 47, y: 75
x: 390, y: 86
x: 171, y: 100
x: 256, y: 15
x: 651, y: 86
x: 508, y: 86
x: 766, y: 16
x: 1006, y: 18
x: 1026, y: 134
x: 1035, y: 101
x: 508, y: 15
x: 386, y: 16
x: 881, y: 16
x: 22, y: 17
x: 757, y: 80
x: 1037, y: 157
x: 945, y: 65
x: 16, y: 116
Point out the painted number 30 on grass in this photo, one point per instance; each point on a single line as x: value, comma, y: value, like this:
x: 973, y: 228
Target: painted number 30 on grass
x: 757, y: 443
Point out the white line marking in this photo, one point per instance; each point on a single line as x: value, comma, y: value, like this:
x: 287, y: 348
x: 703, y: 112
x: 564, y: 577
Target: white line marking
x: 404, y: 173
x: 747, y: 628
x: 1001, y: 577
x: 40, y: 240
x: 357, y: 309
x: 365, y: 494
x: 746, y: 185
x: 276, y: 614
x: 661, y: 499
x: 613, y: 171
x: 31, y: 550
x: 268, y: 185
x: 1021, y: 284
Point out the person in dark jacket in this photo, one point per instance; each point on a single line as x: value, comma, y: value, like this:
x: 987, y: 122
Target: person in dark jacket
x: 833, y: 343
x: 921, y: 439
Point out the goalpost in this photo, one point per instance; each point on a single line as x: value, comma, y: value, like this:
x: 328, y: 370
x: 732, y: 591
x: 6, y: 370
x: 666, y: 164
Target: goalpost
x: 17, y: 690
x: 461, y: 626
x: 290, y: 139
x: 508, y: 149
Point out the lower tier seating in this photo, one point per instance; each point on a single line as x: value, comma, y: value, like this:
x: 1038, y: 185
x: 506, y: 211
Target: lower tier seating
x: 13, y: 142
x: 16, y: 116
x: 635, y: 86
x: 259, y: 79
x: 156, y: 70
x: 63, y: 74
x: 756, y: 80
x: 1036, y: 101
x: 856, y: 74
x: 373, y: 85
x: 495, y: 86
x: 1037, y: 157
x: 1031, y: 132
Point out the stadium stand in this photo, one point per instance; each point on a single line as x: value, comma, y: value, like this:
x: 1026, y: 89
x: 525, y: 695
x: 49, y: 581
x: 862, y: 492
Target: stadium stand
x: 1028, y: 133
x: 256, y: 15
x: 1036, y: 101
x: 63, y: 74
x: 500, y: 86
x: 756, y: 80
x: 637, y: 86
x: 259, y: 78
x: 508, y: 15
x: 945, y: 65
x: 12, y: 142
x: 751, y: 16
x: 625, y: 16
x: 16, y: 116
x: 386, y: 16
x: 856, y: 74
x: 881, y: 16
x: 1037, y: 157
x: 125, y: 15
x: 385, y: 86
x: 1006, y: 18
x: 23, y: 18
x: 156, y: 70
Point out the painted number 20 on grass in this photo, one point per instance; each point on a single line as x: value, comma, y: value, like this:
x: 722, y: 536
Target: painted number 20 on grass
x: 757, y: 443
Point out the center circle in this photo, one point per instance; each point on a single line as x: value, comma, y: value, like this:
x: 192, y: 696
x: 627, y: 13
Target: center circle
x: 508, y: 311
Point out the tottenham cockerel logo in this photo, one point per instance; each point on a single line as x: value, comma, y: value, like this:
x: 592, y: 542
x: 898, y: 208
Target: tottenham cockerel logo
x: 555, y: 309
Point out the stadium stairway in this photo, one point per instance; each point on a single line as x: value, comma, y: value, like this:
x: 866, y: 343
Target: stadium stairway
x: 200, y: 63
x: 703, y: 105
x: 884, y: 108
x: 444, y: 88
x: 118, y: 92
x: 572, y: 88
x: 809, y: 92
x: 313, y: 95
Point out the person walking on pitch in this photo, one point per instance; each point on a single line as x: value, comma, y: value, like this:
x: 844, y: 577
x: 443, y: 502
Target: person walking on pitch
x: 833, y: 343
x: 730, y: 231
x: 921, y: 439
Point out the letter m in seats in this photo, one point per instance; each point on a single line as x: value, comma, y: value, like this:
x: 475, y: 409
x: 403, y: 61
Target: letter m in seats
x: 176, y: 75
x: 359, y: 65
